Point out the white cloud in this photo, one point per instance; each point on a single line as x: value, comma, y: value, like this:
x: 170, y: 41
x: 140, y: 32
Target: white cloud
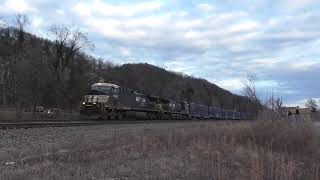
x: 60, y: 11
x: 82, y: 9
x: 125, y: 51
x: 192, y: 23
x: 148, y: 6
x: 150, y: 21
x: 205, y: 7
x: 266, y: 84
x: 99, y: 7
x: 236, y: 85
x: 231, y: 84
x: 303, y: 65
x: 179, y: 66
x: 267, y: 62
x: 19, y: 6
x: 169, y: 29
x: 36, y: 22
x: 244, y: 26
x: 292, y: 5
x: 112, y: 28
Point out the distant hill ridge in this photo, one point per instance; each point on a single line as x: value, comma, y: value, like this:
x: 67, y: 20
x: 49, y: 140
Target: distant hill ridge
x: 150, y: 79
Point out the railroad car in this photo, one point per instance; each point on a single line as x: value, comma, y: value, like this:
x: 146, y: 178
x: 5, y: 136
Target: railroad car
x: 110, y: 101
x: 215, y: 112
x: 198, y: 110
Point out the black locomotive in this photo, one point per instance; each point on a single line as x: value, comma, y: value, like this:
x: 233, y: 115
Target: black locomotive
x: 110, y: 101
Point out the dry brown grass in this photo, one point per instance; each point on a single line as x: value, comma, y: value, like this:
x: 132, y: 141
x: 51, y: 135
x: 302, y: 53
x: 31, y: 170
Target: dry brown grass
x: 7, y: 115
x: 254, y: 151
x: 13, y: 115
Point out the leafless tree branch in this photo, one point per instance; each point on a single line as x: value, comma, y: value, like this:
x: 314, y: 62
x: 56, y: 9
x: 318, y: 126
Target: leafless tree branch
x: 249, y: 89
x: 2, y: 23
x: 67, y: 43
x: 311, y: 103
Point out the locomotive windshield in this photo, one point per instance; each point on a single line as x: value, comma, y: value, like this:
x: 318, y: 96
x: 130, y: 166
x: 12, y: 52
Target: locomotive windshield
x: 104, y: 89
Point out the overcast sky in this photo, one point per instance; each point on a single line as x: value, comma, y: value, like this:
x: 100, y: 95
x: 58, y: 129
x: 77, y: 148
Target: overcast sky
x: 219, y: 40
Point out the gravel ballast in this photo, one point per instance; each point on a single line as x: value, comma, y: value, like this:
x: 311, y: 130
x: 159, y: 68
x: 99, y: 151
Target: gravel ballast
x: 14, y: 139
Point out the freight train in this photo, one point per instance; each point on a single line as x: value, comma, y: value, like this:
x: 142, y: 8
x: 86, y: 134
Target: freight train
x: 110, y: 101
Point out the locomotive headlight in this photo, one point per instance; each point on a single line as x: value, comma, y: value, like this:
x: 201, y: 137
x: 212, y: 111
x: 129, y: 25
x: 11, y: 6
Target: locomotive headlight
x: 83, y: 103
x: 94, y: 103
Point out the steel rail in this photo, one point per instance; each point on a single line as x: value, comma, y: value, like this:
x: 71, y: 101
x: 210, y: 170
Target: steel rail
x: 43, y: 124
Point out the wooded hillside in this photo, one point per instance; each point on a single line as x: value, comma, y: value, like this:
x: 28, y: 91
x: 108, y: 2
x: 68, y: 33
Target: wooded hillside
x: 56, y: 73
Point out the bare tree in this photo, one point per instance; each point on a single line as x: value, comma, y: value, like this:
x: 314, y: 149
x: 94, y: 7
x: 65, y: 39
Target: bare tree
x: 3, y: 65
x: 21, y: 21
x: 311, y: 104
x: 249, y: 89
x: 61, y: 35
x: 67, y: 43
x: 4, y: 34
x: 2, y: 23
x: 275, y: 104
x: 278, y: 104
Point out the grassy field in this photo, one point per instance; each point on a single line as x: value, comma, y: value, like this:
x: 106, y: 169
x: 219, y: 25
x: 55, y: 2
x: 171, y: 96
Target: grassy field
x: 246, y: 150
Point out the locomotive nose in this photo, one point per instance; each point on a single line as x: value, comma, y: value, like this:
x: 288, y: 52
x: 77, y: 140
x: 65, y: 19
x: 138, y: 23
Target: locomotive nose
x: 94, y: 99
x: 92, y: 103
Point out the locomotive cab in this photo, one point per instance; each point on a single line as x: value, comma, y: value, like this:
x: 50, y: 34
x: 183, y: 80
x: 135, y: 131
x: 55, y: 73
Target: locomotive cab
x: 101, y: 96
x: 106, y: 89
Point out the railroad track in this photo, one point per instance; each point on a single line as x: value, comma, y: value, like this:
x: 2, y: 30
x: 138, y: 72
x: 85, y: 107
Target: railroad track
x: 66, y: 123
x: 41, y: 124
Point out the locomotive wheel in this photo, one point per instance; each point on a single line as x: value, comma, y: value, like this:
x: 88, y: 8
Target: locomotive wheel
x: 154, y: 117
x: 151, y: 116
x: 122, y: 116
x: 158, y: 116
